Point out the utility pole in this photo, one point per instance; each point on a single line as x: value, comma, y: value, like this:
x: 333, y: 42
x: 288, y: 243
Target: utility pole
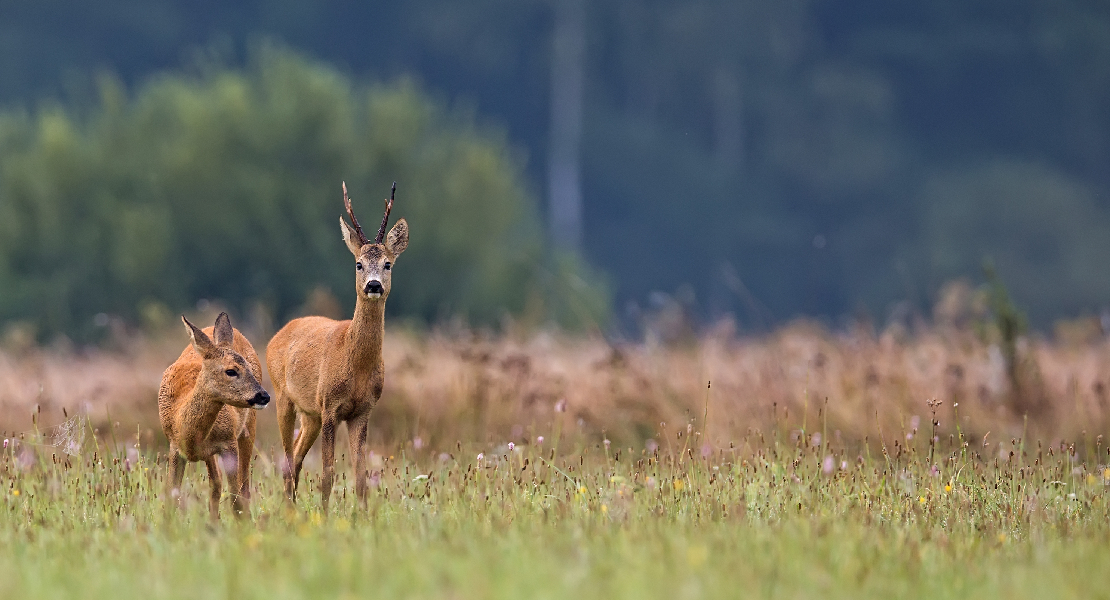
x: 564, y: 178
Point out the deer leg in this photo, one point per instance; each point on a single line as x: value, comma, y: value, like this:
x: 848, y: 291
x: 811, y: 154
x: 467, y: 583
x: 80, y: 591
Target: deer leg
x: 177, y: 474
x: 287, y: 415
x: 230, y: 461
x: 327, y: 450
x: 214, y: 480
x: 246, y: 454
x: 356, y: 431
x: 310, y: 429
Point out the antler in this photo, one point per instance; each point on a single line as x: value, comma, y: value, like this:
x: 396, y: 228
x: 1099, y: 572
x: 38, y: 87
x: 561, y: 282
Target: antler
x: 350, y: 213
x: 385, y: 219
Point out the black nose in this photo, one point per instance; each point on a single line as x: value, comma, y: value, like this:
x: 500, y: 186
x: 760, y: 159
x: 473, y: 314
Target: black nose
x: 260, y: 399
x: 373, y: 287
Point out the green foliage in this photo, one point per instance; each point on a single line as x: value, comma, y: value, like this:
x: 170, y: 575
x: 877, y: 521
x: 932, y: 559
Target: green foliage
x: 225, y: 184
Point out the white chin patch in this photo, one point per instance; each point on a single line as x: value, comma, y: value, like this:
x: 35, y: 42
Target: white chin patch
x: 260, y: 406
x: 373, y: 295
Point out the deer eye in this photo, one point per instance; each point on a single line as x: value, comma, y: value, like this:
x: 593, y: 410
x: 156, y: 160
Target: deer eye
x: 387, y: 266
x: 232, y: 373
x: 358, y: 266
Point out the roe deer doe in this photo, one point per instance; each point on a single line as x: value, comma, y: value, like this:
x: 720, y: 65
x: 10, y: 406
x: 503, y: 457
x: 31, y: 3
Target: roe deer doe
x: 330, y: 371
x: 205, y: 403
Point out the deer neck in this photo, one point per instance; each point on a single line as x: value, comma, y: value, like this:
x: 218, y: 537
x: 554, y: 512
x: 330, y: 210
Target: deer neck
x: 197, y: 417
x: 364, y: 337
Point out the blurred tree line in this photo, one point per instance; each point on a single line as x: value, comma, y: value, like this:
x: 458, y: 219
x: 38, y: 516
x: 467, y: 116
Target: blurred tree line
x: 779, y: 157
x: 224, y: 184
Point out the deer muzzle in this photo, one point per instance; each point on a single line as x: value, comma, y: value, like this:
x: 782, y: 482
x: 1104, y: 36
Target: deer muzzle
x: 374, y: 288
x: 260, y: 400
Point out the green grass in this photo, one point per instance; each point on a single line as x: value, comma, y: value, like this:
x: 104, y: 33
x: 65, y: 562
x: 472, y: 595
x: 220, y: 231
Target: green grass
x: 762, y: 520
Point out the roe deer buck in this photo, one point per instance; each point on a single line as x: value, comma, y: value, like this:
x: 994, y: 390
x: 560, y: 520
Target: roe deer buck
x: 330, y: 371
x: 205, y: 403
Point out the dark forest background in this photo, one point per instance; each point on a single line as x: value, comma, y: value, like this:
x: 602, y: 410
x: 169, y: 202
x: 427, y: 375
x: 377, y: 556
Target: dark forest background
x: 765, y: 159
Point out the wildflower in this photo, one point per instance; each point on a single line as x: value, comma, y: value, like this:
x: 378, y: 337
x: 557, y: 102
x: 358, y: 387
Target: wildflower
x: 815, y: 440
x: 539, y: 440
x: 417, y: 442
x: 481, y: 456
x: 15, y: 492
x: 934, y: 471
x: 843, y: 465
x: 706, y: 451
x: 948, y: 487
x: 650, y: 483
x: 651, y: 446
x: 605, y: 508
x: 921, y: 499
x: 375, y: 479
x: 511, y: 446
x: 606, y: 443
x: 679, y: 484
x: 827, y: 465
x: 582, y: 489
x: 561, y: 405
x: 5, y: 443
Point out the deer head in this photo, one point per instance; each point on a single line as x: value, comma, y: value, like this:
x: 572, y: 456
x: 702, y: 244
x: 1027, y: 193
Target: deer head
x: 224, y: 374
x: 374, y: 260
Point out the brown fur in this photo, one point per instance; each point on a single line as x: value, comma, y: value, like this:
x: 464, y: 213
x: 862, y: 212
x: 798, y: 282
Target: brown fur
x: 332, y: 371
x: 205, y: 413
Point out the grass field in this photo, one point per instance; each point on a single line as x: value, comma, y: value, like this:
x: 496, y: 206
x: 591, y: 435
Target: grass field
x: 811, y: 468
x: 773, y: 517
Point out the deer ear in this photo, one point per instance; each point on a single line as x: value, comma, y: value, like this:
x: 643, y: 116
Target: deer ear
x: 350, y: 237
x: 201, y: 341
x: 398, y: 238
x: 223, y: 331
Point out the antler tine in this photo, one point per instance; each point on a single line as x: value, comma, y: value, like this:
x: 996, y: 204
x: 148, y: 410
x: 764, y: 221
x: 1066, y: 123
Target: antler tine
x: 385, y: 219
x: 351, y: 213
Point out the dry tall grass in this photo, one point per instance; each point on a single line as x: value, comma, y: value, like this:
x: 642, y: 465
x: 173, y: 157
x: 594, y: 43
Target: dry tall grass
x: 441, y: 388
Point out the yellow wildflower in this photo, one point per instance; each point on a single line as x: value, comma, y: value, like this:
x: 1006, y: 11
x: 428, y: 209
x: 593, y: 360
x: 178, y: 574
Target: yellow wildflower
x: 678, y: 485
x: 948, y: 488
